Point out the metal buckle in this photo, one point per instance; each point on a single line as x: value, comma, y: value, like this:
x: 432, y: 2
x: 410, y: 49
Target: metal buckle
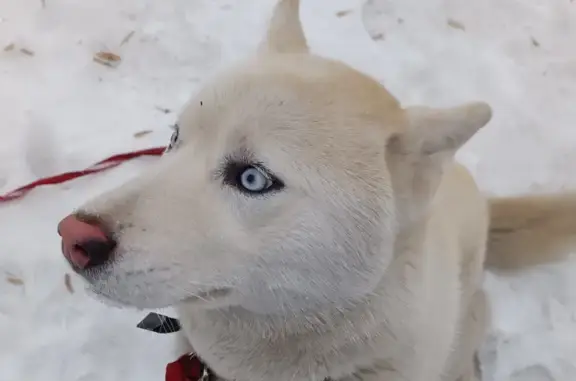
x: 205, y: 375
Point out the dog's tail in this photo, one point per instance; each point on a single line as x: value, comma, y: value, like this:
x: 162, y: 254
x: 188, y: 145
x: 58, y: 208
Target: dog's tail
x: 531, y: 230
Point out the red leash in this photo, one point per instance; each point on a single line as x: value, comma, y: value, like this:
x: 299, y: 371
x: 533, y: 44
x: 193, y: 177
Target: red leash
x: 103, y: 165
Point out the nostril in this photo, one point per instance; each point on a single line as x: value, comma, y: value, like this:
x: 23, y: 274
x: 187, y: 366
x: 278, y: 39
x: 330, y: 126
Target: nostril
x: 97, y: 252
x: 85, y: 243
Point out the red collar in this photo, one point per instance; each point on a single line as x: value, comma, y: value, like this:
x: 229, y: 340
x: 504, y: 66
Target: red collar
x: 188, y: 367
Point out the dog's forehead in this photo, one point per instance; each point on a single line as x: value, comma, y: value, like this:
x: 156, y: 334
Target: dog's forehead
x: 291, y: 94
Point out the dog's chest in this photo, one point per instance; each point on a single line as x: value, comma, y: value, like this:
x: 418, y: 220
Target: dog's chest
x: 240, y: 355
x: 390, y: 340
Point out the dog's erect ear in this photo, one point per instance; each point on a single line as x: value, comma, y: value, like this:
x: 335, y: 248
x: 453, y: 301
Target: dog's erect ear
x: 443, y: 131
x: 285, y: 34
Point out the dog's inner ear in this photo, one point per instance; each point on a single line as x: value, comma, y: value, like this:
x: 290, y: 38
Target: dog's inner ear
x: 440, y: 131
x: 285, y: 34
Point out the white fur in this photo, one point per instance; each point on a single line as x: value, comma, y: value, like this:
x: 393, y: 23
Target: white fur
x: 366, y: 266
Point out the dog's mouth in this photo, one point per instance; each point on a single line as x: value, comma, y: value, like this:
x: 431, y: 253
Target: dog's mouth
x: 207, y: 296
x: 198, y: 299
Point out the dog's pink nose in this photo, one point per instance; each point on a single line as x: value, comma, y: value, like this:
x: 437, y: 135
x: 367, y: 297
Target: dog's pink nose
x: 84, y: 244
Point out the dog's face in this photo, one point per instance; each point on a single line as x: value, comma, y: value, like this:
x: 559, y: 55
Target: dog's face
x: 281, y: 188
x: 275, y: 186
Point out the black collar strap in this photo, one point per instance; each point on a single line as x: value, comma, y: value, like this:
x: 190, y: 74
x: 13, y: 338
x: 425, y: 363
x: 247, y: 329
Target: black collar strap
x: 159, y: 323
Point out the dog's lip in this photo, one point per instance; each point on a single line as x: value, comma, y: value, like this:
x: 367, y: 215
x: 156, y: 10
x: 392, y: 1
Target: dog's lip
x: 215, y: 293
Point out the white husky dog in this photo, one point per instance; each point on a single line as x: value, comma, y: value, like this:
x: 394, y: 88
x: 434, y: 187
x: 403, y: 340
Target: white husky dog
x: 307, y: 227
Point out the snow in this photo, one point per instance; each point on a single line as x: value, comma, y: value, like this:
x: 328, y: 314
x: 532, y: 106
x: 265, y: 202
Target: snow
x: 62, y: 111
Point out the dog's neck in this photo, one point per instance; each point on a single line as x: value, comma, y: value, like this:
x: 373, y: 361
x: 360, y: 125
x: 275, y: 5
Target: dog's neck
x: 332, y: 343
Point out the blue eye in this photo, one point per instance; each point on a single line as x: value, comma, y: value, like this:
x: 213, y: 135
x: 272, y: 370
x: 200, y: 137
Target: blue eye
x: 251, y: 179
x: 254, y: 180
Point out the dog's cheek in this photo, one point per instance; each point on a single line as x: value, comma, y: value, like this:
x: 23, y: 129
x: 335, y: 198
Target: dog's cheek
x: 316, y: 254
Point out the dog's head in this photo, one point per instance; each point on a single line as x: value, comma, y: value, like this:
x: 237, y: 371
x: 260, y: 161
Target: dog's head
x: 285, y: 185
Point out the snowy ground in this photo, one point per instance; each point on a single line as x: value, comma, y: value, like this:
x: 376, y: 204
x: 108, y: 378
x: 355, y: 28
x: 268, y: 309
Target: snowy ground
x: 61, y: 111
